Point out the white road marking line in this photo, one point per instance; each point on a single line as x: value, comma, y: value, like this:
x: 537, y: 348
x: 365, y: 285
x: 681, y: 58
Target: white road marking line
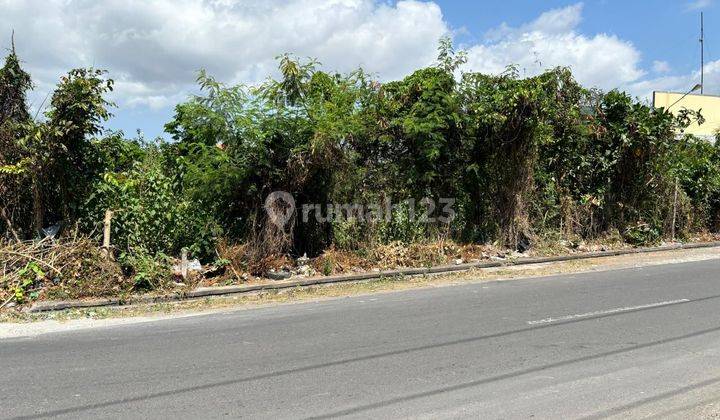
x: 605, y: 312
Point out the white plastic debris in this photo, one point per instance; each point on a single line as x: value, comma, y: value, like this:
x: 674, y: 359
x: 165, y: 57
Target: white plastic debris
x: 51, y: 231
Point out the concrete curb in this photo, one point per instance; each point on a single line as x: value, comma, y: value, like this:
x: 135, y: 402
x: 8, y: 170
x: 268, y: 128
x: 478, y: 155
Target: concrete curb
x: 312, y: 281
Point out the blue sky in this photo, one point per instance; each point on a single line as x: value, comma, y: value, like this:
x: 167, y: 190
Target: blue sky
x: 154, y: 49
x: 663, y: 30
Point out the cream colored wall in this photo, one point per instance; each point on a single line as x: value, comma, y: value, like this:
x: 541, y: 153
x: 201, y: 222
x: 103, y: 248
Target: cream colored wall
x: 708, y: 104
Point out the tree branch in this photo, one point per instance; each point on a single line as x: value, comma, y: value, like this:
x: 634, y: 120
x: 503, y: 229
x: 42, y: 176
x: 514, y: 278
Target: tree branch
x: 9, y: 224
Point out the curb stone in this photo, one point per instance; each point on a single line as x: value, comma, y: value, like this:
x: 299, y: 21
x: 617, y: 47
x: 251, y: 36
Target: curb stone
x: 311, y: 281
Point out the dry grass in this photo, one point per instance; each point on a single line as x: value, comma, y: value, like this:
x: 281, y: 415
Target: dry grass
x: 383, y: 285
x: 398, y: 255
x: 77, y: 268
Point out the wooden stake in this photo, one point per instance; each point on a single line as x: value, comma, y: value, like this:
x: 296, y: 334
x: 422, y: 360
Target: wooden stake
x: 674, y: 218
x: 184, y: 263
x: 106, y: 232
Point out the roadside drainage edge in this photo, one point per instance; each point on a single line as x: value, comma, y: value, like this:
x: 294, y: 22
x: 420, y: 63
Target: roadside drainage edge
x: 344, y: 278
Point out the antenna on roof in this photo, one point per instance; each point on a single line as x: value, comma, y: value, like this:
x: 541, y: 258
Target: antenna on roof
x: 702, y: 53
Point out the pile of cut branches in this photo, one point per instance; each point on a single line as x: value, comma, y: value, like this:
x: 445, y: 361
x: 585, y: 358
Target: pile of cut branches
x: 66, y: 268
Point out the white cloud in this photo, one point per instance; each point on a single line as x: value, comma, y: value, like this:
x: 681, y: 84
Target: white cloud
x: 661, y: 66
x: 698, y: 4
x: 154, y: 48
x: 556, y: 21
x: 551, y: 40
x: 680, y: 83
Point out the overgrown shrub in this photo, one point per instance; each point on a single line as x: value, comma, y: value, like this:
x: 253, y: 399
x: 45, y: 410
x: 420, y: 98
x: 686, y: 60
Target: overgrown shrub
x: 150, y: 213
x: 696, y: 167
x: 523, y: 158
x: 146, y: 271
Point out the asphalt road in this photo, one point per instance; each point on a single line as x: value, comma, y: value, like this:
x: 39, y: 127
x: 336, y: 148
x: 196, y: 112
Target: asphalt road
x: 637, y: 342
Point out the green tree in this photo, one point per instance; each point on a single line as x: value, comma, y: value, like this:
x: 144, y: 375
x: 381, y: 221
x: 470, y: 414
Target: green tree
x: 638, y: 142
x: 505, y: 122
x: 14, y: 119
x: 77, y: 110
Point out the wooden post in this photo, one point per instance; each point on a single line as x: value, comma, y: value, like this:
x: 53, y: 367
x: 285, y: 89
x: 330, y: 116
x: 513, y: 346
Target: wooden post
x: 674, y: 218
x: 106, y: 229
x: 184, y: 263
x: 106, y: 232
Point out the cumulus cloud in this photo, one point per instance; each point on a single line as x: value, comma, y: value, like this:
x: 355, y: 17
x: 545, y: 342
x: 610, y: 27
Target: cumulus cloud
x: 698, y: 4
x: 600, y: 60
x: 154, y: 49
x: 680, y: 83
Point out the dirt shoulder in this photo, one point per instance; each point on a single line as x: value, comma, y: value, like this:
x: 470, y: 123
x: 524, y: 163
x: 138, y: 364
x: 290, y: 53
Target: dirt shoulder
x: 16, y: 324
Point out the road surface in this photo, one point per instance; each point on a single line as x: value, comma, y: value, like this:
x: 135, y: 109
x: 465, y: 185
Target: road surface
x: 636, y: 342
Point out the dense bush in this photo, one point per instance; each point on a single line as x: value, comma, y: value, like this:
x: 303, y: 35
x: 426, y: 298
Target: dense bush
x: 150, y: 213
x: 520, y: 156
x: 696, y: 167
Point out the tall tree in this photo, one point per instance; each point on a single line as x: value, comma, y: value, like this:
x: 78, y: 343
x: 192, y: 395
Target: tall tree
x: 14, y: 115
x: 77, y: 110
x: 14, y: 84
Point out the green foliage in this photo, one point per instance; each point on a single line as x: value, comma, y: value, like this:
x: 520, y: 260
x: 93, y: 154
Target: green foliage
x: 115, y: 153
x: 506, y: 122
x: 28, y: 276
x: 14, y: 84
x: 14, y: 118
x: 448, y: 59
x: 328, y: 265
x: 424, y: 125
x: 77, y: 110
x: 522, y: 156
x: 238, y: 144
x: 150, y: 213
x: 405, y: 225
x: 638, y: 147
x: 348, y: 234
x: 78, y: 104
x: 696, y: 166
x: 642, y: 234
x: 519, y: 154
x: 147, y: 271
x: 55, y: 158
